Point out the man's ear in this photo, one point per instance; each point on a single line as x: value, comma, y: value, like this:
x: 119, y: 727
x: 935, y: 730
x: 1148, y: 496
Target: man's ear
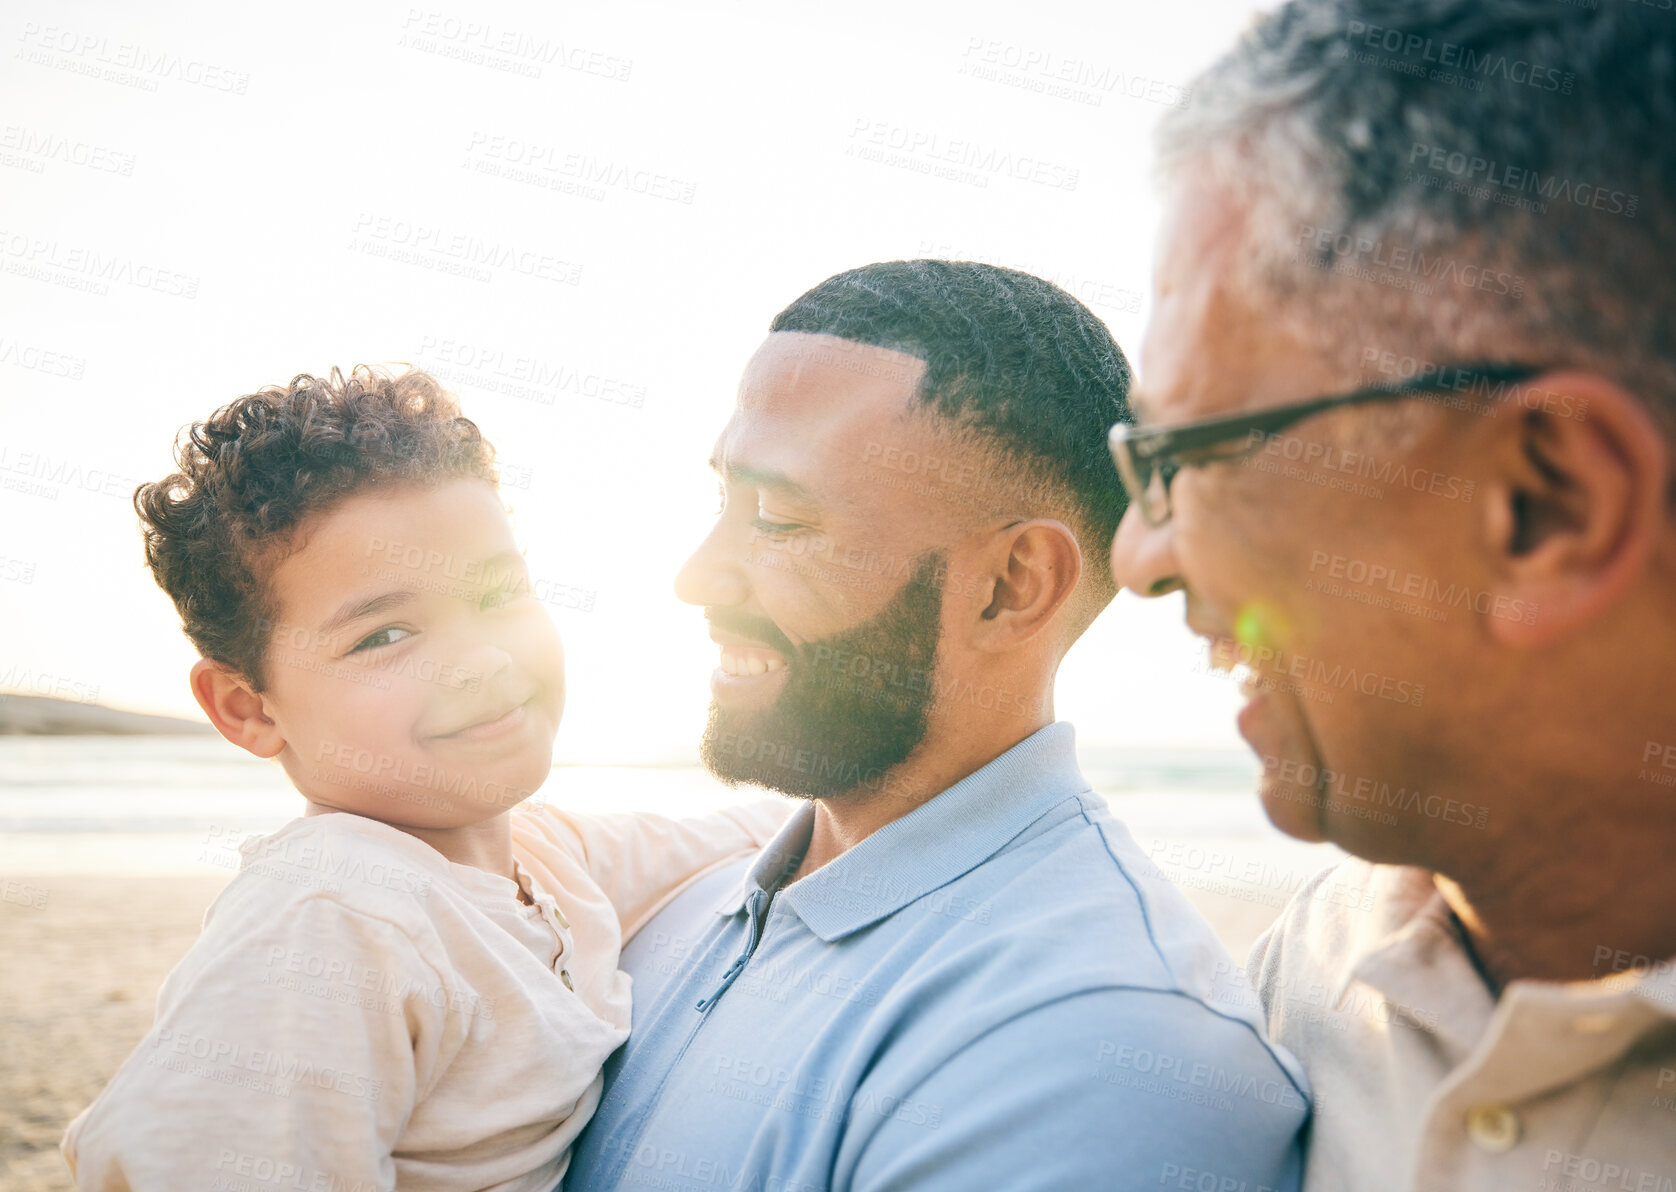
x: 1039, y: 566
x: 235, y: 709
x: 1579, y: 504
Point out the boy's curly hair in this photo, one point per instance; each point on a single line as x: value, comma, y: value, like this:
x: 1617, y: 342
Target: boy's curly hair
x: 256, y: 468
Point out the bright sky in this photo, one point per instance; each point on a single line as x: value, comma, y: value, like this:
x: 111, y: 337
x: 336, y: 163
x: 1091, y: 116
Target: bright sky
x: 252, y: 193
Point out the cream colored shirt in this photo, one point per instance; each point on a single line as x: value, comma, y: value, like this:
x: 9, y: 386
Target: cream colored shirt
x: 360, y: 1013
x: 1424, y: 1081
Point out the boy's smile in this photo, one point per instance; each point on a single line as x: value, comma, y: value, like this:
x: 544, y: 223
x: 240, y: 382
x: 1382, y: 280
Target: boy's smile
x: 412, y: 673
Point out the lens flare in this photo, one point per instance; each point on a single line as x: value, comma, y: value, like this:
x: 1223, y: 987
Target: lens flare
x: 1259, y: 629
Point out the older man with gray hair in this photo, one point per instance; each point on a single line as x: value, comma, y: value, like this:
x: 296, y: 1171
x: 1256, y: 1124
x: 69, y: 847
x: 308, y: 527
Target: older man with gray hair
x: 1404, y: 441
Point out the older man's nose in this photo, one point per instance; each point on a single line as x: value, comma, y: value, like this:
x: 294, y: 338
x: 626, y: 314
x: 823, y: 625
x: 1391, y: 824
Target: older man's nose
x: 1143, y: 556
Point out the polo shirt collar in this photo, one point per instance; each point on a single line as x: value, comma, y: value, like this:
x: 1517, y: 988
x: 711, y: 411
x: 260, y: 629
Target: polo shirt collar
x: 944, y: 838
x: 1423, y: 970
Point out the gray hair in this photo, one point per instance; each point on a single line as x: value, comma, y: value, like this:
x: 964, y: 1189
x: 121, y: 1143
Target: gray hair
x: 1446, y: 180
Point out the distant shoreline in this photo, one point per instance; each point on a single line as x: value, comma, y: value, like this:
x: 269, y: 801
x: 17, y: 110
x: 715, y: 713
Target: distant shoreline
x: 44, y: 716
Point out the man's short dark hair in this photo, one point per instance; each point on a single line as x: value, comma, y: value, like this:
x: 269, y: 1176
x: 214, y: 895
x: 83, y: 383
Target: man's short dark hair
x: 1009, y: 358
x: 1453, y: 178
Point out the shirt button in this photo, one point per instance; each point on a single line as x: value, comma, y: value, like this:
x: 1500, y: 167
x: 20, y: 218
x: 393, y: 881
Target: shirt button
x: 559, y: 915
x: 1495, y: 1128
x: 564, y: 975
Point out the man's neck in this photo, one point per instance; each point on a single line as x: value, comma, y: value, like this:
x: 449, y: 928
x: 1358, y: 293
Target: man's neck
x: 844, y: 821
x: 1570, y: 918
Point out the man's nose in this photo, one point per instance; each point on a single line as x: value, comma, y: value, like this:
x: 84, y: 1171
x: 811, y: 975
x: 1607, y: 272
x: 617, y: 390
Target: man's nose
x: 1143, y: 556
x: 714, y: 573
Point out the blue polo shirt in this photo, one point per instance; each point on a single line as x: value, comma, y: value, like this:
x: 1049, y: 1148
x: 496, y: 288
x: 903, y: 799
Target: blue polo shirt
x: 996, y: 991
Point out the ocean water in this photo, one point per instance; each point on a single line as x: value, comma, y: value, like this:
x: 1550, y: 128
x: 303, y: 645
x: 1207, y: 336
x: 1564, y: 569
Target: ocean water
x: 178, y: 805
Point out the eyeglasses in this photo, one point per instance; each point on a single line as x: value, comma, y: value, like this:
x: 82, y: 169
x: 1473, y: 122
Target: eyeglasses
x: 1148, y: 458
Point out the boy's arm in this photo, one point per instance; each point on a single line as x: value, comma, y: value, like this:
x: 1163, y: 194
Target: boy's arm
x: 639, y: 860
x: 269, y: 1057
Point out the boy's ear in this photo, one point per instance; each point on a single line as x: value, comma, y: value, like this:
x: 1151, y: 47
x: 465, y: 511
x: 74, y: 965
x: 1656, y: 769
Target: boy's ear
x: 234, y: 708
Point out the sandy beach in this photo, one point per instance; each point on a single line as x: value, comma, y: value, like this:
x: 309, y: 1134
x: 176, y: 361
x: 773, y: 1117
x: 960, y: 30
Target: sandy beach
x: 84, y: 957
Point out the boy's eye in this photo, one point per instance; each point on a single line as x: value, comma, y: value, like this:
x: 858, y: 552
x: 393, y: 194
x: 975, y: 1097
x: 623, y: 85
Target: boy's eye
x: 381, y: 638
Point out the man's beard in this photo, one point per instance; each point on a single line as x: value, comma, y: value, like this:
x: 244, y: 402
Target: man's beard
x: 854, y: 705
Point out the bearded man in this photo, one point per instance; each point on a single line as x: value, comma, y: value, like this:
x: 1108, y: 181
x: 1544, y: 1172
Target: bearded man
x: 952, y: 968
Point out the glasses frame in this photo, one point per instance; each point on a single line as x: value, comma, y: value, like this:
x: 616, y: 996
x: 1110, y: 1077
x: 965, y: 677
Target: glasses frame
x: 1142, y: 452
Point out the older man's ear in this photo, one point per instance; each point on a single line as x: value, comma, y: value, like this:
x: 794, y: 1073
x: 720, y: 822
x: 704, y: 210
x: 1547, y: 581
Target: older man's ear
x: 1576, y: 508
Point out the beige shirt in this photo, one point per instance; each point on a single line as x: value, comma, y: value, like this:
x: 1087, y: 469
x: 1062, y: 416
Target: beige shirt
x: 360, y: 1013
x: 1423, y: 1081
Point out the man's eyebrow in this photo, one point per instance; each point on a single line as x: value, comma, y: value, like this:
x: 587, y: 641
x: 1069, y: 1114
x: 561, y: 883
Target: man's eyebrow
x: 767, y: 478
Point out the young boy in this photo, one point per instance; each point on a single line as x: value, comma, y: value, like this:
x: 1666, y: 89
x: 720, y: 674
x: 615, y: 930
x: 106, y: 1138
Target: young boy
x: 412, y: 985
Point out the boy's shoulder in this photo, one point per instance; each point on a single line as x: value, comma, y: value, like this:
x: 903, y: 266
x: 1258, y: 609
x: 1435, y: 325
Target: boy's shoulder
x: 359, y: 864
